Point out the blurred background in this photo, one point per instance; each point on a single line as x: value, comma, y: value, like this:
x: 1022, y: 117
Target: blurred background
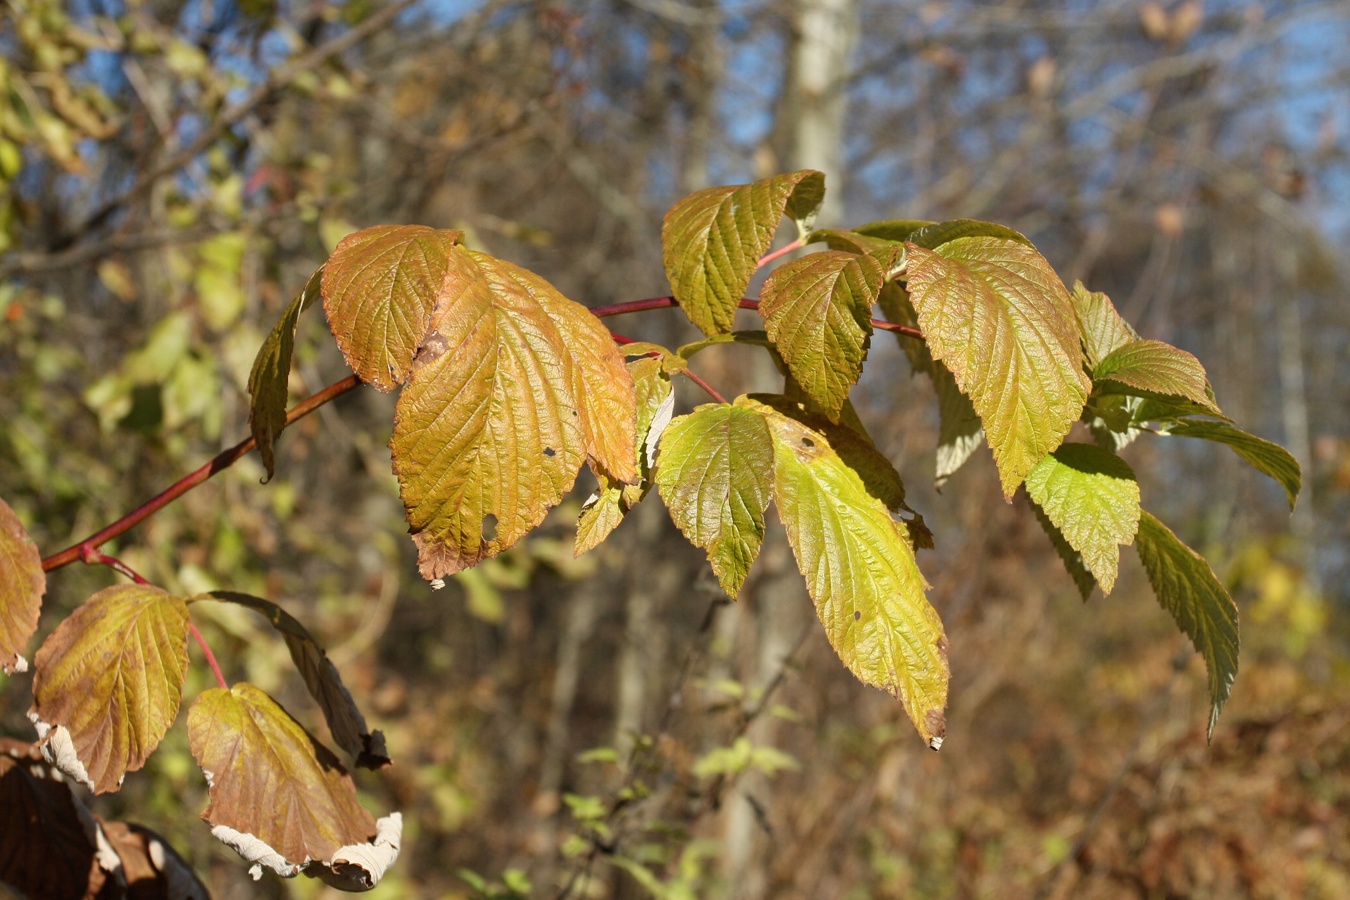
x: 171, y: 172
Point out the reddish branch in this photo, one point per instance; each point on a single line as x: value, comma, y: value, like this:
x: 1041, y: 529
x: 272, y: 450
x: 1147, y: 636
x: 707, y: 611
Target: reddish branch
x: 222, y: 461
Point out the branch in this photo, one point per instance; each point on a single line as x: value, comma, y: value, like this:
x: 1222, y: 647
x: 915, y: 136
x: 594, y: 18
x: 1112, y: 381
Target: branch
x: 275, y: 81
x: 222, y: 461
x: 632, y: 306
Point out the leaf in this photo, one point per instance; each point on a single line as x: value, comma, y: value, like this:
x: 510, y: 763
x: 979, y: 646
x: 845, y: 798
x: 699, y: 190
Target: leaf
x: 380, y: 287
x: 344, y: 718
x: 997, y: 316
x: 712, y: 240
x: 1092, y: 498
x: 1101, y: 328
x: 606, y: 508
x: 936, y: 234
x: 22, y: 584
x: 515, y: 386
x: 1262, y: 455
x: 150, y: 864
x: 48, y: 842
x: 267, y: 382
x: 1072, y: 559
x: 818, y: 311
x: 110, y: 679
x: 1188, y: 589
x: 959, y: 428
x: 1157, y: 369
x: 276, y: 795
x: 861, y: 572
x: 714, y: 473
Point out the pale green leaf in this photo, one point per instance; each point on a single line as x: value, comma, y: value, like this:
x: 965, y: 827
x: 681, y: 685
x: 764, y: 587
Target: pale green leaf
x: 1188, y: 589
x: 1156, y: 369
x: 380, y: 288
x: 999, y: 318
x: 267, y: 382
x: 110, y: 678
x: 861, y: 572
x: 818, y: 311
x: 714, y: 473
x: 271, y: 780
x: 514, y: 387
x: 1262, y: 455
x: 1100, y: 326
x: 713, y: 239
x: 1072, y: 559
x: 345, y: 721
x: 1092, y: 498
x: 22, y: 584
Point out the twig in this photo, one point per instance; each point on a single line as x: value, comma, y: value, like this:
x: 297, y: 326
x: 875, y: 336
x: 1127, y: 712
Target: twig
x: 222, y: 461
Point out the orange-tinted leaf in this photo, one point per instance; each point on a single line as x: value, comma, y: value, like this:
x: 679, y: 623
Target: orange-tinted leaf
x: 379, y: 289
x: 345, y: 721
x: 1101, y: 327
x: 999, y: 318
x: 712, y: 241
x: 267, y: 382
x: 515, y: 386
x: 1154, y: 368
x: 108, y: 682
x: 818, y: 311
x: 271, y: 781
x: 22, y: 584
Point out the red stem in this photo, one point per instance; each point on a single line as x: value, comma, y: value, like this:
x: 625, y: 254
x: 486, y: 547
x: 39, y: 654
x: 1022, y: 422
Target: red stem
x: 632, y: 306
x: 692, y: 376
x: 210, y: 657
x: 781, y: 251
x: 222, y: 461
x: 91, y: 557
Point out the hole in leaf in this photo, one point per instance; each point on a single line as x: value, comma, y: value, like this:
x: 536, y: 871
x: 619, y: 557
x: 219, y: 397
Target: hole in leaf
x: 857, y: 615
x: 550, y: 452
x: 489, y: 527
x: 807, y: 442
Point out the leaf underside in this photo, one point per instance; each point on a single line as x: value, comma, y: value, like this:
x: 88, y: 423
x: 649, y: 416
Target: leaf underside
x: 1188, y: 589
x: 1268, y: 458
x: 22, y: 584
x: 713, y: 239
x: 111, y: 675
x: 999, y: 318
x: 267, y: 382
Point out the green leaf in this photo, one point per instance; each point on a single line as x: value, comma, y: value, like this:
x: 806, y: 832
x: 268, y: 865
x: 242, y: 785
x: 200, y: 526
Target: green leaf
x: 1157, y: 369
x: 937, y: 234
x: 1072, y: 559
x: 1101, y: 328
x: 1267, y: 458
x: 1092, y: 498
x: 868, y: 238
x: 515, y: 386
x: 1188, y: 589
x: 380, y: 288
x: 321, y: 677
x: 712, y: 241
x: 277, y: 796
x: 714, y: 473
x: 108, y: 682
x: 613, y: 500
x: 861, y: 572
x: 959, y: 428
x: 22, y: 584
x: 267, y: 383
x: 997, y: 316
x: 818, y: 311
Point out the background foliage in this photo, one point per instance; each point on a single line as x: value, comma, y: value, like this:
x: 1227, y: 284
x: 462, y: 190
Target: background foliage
x: 174, y: 171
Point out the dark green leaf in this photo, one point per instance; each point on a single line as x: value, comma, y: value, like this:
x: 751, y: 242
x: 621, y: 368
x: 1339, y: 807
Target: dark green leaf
x: 1267, y: 458
x: 933, y: 236
x: 267, y: 383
